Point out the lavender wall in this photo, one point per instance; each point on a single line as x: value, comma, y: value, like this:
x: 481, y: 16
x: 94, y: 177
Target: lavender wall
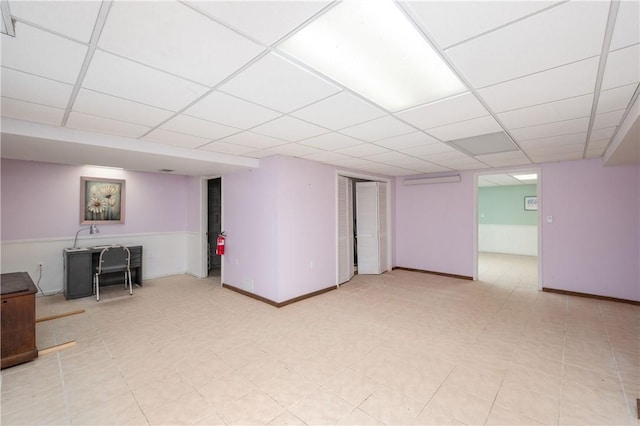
x: 434, y: 226
x: 279, y: 219
x: 593, y: 244
x: 193, y: 204
x: 42, y: 200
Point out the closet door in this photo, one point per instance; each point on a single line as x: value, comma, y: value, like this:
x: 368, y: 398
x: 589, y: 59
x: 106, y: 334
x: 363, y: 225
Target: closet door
x: 367, y: 228
x: 345, y: 229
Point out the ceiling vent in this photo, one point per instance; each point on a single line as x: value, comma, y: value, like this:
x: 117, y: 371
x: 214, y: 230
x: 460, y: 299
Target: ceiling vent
x: 166, y: 170
x: 491, y: 143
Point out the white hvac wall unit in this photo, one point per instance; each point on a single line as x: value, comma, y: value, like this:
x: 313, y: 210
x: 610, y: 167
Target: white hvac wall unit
x: 430, y: 180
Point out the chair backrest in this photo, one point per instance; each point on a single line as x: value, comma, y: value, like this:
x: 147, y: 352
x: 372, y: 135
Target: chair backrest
x: 114, y: 257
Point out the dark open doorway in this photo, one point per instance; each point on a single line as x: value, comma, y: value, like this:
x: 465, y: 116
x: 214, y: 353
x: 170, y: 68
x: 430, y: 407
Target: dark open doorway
x: 214, y: 224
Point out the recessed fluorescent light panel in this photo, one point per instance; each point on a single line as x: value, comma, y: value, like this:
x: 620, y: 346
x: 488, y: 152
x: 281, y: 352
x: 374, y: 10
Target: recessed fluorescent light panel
x: 528, y: 176
x: 371, y: 48
x: 491, y: 143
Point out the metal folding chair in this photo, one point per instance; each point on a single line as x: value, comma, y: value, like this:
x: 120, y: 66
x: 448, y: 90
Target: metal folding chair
x: 113, y: 259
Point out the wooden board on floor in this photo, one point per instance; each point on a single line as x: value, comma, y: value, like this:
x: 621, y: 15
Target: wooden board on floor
x: 56, y: 348
x: 66, y: 314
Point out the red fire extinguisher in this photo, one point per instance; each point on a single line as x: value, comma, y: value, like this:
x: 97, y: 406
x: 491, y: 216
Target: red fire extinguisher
x: 220, y: 244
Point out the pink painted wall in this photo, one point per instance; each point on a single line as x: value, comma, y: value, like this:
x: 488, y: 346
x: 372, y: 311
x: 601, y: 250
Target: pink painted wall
x: 434, y: 226
x: 280, y: 218
x: 593, y: 244
x: 193, y: 204
x: 42, y: 200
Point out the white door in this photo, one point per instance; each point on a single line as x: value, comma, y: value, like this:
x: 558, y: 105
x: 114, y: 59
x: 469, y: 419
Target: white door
x: 368, y: 228
x: 345, y: 229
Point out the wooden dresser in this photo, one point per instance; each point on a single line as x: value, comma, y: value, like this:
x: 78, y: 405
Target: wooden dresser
x: 18, y: 312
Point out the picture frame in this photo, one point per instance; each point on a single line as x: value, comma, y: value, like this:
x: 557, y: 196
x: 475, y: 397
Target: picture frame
x: 102, y: 200
x: 531, y: 203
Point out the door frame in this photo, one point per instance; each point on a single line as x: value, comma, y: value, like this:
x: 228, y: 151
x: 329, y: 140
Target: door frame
x: 538, y: 171
x: 374, y: 178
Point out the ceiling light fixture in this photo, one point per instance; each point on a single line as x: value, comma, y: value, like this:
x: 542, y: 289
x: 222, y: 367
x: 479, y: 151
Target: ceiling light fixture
x: 530, y: 176
x: 104, y: 167
x: 371, y: 48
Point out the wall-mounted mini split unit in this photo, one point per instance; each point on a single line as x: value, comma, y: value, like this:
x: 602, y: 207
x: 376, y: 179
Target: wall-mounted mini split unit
x: 430, y: 180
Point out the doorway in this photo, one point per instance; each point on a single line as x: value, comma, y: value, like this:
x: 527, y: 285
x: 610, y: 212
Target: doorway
x: 214, y: 225
x: 508, y: 229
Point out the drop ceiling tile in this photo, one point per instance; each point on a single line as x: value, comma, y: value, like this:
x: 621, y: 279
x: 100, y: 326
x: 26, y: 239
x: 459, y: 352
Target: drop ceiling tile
x: 227, y: 148
x: 95, y: 103
x: 623, y: 67
x: 325, y: 156
x: 566, y: 153
x: 594, y: 152
x: 599, y: 144
x: 605, y: 133
x: 608, y: 119
x: 553, y: 142
x: 339, y: 111
x: 380, y: 128
x: 44, y: 54
x: 93, y: 123
x: 407, y: 162
x: 175, y: 38
x: 387, y: 170
x: 362, y: 150
x: 231, y: 111
x: 266, y: 21
x: 627, y: 29
x: 387, y: 157
x: 565, y: 109
x: 29, y: 111
x: 331, y: 141
x: 559, y: 83
x: 465, y: 129
x: 352, y: 162
x: 278, y: 84
x: 551, y: 129
x: 618, y: 98
x: 168, y: 137
x: 425, y: 150
x: 261, y: 153
x: 431, y: 168
x: 447, y: 111
x: 289, y: 129
x: 293, y: 150
x: 74, y: 19
x: 514, y: 52
x: 30, y: 88
x: 129, y: 80
x: 451, y: 22
x: 253, y: 140
x: 409, y: 140
x: 197, y: 127
x: 504, y: 159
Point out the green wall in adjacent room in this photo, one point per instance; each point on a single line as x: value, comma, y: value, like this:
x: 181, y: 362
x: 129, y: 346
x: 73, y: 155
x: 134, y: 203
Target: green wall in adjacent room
x: 504, y: 205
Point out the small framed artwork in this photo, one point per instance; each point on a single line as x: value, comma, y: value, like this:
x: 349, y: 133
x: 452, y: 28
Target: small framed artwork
x: 101, y: 200
x: 531, y: 203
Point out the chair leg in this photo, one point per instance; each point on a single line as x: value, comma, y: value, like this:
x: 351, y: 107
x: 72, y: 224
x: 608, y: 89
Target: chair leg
x: 130, y: 285
x: 97, y: 288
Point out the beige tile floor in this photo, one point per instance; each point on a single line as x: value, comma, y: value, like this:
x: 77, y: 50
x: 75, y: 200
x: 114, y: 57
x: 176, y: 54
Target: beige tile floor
x: 399, y: 348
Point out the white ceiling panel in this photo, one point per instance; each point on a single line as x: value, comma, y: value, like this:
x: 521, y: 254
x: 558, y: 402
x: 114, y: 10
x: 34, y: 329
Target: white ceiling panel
x: 599, y: 144
x: 594, y: 152
x: 44, y: 54
x: 425, y: 150
x: 353, y: 162
x: 120, y: 109
x: 28, y: 87
x: 93, y: 123
x: 385, y: 169
x: 178, y: 40
x: 278, y: 84
x: 388, y: 157
x: 607, y: 119
x: 623, y: 67
x: 362, y: 150
x: 407, y: 141
x: 293, y: 150
x: 129, y: 80
x: 325, y: 156
x: 29, y: 111
x: 568, y: 153
x: 553, y: 142
x: 168, y: 137
x: 627, y: 29
x: 514, y: 52
x: 253, y: 140
x: 380, y: 128
x: 559, y: 83
x: 266, y: 21
x: 447, y: 111
x: 565, y: 109
x: 504, y: 159
x: 289, y: 129
x: 618, y: 98
x: 560, y: 128
x: 451, y: 22
x: 465, y: 129
x: 227, y: 148
x: 231, y: 111
x: 74, y: 19
x: 339, y: 111
x: 331, y: 141
x: 604, y: 133
x: 197, y: 127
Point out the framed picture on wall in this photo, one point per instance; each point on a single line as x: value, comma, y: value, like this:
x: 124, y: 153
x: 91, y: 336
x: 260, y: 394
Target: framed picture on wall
x: 101, y: 200
x: 531, y: 203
